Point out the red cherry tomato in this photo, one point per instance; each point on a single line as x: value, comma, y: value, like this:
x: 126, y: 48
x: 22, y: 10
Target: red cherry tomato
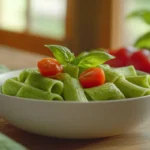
x: 141, y: 60
x: 92, y: 77
x: 113, y: 62
x: 122, y: 58
x: 49, y: 67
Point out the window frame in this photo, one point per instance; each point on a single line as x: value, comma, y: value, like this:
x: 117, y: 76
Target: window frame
x: 74, y: 39
x: 116, y: 27
x: 28, y: 41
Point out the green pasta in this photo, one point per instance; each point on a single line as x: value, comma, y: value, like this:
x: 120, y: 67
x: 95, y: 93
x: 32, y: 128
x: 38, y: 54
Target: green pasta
x: 72, y: 70
x: 107, y: 91
x: 33, y: 85
x: 111, y: 75
x: 127, y: 71
x: 25, y: 73
x: 148, y: 92
x: 73, y: 91
x: 36, y: 80
x: 30, y: 92
x: 11, y: 87
x: 120, y: 83
x: 129, y: 89
x: 142, y: 81
x: 139, y: 73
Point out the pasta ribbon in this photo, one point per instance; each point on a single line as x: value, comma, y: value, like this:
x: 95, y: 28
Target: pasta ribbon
x: 33, y: 85
x: 129, y: 89
x: 107, y: 91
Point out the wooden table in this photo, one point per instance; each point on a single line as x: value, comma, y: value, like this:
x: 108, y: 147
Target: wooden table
x: 139, y: 139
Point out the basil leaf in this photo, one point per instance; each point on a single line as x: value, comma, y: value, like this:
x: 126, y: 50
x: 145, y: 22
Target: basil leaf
x: 143, y: 41
x: 61, y: 53
x: 141, y: 14
x: 93, y: 59
x: 82, y: 54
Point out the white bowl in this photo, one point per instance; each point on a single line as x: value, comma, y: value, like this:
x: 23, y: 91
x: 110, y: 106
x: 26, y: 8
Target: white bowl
x: 75, y: 120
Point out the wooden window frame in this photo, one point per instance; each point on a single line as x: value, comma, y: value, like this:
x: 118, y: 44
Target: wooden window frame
x: 80, y: 24
x: 117, y: 28
x: 27, y: 41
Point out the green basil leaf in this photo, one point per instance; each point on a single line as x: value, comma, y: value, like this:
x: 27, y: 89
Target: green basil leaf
x: 143, y: 41
x: 82, y: 54
x: 142, y: 14
x: 86, y: 52
x: 61, y: 53
x: 93, y: 59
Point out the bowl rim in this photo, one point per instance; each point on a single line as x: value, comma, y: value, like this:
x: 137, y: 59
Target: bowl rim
x: 64, y: 101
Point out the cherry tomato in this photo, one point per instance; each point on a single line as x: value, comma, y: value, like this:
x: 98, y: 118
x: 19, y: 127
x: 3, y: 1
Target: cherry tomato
x: 141, y: 60
x: 122, y: 58
x: 92, y: 77
x: 112, y: 62
x: 49, y: 67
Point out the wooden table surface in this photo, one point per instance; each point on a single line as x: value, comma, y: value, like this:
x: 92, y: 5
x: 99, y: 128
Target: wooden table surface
x: 139, y: 139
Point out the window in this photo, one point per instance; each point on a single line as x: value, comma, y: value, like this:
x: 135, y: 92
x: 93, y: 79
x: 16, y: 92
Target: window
x: 43, y: 18
x: 48, y: 18
x: 29, y: 24
x: 13, y: 17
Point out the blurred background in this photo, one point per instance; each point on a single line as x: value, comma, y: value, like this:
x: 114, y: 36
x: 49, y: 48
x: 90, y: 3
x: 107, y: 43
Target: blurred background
x: 78, y: 24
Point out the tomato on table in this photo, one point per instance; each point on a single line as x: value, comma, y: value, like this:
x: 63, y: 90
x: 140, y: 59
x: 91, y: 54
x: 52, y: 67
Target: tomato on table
x: 49, y: 67
x: 141, y: 60
x: 92, y: 77
x: 112, y: 62
x: 122, y: 57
